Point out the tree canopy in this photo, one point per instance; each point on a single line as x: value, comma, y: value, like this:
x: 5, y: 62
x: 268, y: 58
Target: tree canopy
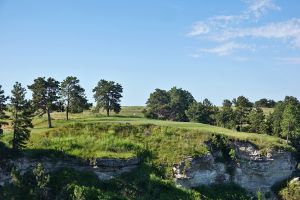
x: 108, y: 96
x: 73, y: 96
x: 3, y: 108
x: 45, y: 96
x: 170, y: 105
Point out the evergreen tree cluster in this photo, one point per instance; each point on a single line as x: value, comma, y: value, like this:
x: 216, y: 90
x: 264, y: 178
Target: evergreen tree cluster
x: 239, y: 114
x: 49, y: 95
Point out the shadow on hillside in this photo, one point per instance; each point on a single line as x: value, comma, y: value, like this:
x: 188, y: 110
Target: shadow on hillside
x: 145, y: 182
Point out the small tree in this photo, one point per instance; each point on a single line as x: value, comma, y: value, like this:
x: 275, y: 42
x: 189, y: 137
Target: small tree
x: 3, y: 108
x: 290, y: 122
x: 180, y: 102
x: 45, y: 96
x: 275, y: 118
x: 225, y: 117
x: 203, y: 112
x: 158, y: 105
x: 21, y: 116
x: 108, y: 96
x: 73, y: 96
x: 257, y: 122
x: 243, y: 107
x: 42, y: 179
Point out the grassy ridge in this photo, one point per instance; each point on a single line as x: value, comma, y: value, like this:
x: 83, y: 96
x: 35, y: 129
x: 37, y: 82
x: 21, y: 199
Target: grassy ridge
x: 160, y: 143
x: 102, y: 144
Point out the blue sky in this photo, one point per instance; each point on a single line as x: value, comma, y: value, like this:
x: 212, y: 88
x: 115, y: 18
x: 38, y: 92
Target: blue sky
x: 214, y: 49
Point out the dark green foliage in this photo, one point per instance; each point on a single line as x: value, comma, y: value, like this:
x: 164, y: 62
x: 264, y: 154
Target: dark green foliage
x: 108, y: 96
x: 265, y: 103
x: 3, y: 108
x: 285, y: 120
x: 72, y: 185
x: 257, y: 121
x: 290, y: 123
x: 146, y: 183
x: 203, y: 112
x: 45, y: 96
x: 221, y: 143
x: 158, y: 105
x: 243, y: 108
x: 225, y: 117
x: 170, y: 105
x: 223, y: 192
x: 180, y: 102
x: 73, y: 96
x: 292, y: 191
x: 21, y: 117
x: 276, y: 118
x: 33, y: 185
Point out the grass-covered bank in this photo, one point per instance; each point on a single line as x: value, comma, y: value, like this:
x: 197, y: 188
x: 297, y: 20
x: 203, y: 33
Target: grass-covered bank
x: 124, y: 137
x: 160, y: 143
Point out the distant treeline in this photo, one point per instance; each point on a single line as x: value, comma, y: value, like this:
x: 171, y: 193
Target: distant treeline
x: 239, y: 114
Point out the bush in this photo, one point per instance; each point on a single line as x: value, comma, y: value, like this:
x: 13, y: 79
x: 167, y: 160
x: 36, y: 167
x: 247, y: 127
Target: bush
x: 292, y: 191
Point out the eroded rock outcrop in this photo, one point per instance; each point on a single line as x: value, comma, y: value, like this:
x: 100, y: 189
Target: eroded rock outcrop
x: 105, y: 169
x: 250, y: 168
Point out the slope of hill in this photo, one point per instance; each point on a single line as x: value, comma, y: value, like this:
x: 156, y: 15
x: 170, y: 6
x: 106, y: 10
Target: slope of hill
x: 160, y: 144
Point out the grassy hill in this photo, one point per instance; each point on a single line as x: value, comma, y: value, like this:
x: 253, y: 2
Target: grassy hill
x: 161, y: 143
x: 103, y: 136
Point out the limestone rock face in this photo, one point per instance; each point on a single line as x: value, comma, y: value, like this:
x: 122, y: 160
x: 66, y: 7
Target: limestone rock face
x: 251, y: 169
x: 256, y: 171
x: 105, y: 169
x: 200, y: 171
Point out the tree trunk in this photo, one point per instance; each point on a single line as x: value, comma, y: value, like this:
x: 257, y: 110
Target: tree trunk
x: 49, y: 119
x: 287, y: 135
x: 67, y: 110
x: 107, y: 112
x: 14, y: 139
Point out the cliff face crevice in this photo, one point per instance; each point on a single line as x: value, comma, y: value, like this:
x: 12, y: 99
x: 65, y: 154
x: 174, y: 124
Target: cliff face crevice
x: 104, y: 168
x: 250, y: 168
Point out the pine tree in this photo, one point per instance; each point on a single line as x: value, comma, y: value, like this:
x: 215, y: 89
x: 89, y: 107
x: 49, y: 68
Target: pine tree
x: 21, y: 116
x: 73, y: 96
x: 108, y: 95
x: 290, y: 121
x: 45, y: 96
x: 257, y: 121
x: 3, y: 108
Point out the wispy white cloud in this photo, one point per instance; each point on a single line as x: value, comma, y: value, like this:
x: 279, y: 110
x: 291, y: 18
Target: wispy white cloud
x: 261, y: 7
x: 289, y: 60
x: 226, y: 49
x: 256, y: 8
x: 199, y: 28
x: 230, y: 29
x: 287, y: 31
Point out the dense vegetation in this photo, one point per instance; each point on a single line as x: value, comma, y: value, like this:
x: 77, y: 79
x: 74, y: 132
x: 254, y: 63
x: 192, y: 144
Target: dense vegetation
x: 239, y: 114
x: 85, y: 134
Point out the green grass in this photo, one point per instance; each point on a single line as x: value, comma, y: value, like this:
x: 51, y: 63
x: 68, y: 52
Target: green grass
x: 161, y: 144
x: 182, y: 138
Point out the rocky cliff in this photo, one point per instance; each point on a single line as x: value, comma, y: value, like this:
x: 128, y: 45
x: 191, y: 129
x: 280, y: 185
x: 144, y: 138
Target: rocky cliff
x: 104, y: 168
x: 249, y: 167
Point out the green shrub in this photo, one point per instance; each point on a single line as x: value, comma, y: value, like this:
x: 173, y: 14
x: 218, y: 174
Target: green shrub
x: 292, y: 191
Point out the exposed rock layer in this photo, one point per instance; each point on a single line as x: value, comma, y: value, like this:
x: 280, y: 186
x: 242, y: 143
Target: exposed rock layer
x: 251, y: 168
x: 105, y: 169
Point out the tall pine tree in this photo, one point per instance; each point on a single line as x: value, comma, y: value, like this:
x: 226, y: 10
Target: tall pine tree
x: 73, y: 96
x: 45, y: 96
x: 3, y: 108
x: 108, y: 95
x: 21, y: 117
